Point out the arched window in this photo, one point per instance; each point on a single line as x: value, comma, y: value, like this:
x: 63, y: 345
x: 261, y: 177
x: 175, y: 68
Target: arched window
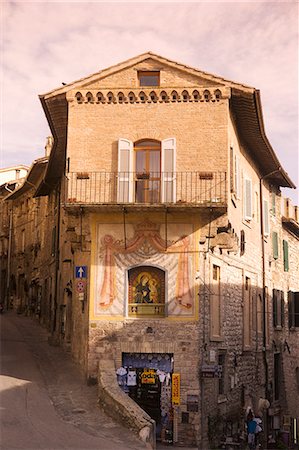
x: 195, y: 95
x: 121, y: 97
x: 142, y: 97
x: 164, y: 96
x: 100, y: 97
x: 153, y: 97
x: 89, y: 97
x: 207, y: 95
x: 110, y: 97
x: 186, y: 96
x: 174, y: 96
x: 131, y: 97
x: 146, y: 296
x: 218, y: 94
x: 79, y: 97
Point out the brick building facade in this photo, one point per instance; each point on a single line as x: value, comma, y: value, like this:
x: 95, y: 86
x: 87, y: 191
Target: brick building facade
x: 160, y: 247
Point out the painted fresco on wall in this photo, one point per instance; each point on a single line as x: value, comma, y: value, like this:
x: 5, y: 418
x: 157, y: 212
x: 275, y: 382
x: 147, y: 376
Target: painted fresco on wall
x: 144, y: 246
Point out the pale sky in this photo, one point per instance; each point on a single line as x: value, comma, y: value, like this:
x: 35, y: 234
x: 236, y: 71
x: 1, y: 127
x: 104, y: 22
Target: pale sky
x: 45, y: 43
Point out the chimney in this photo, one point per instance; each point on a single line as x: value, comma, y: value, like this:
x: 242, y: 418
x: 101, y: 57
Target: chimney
x: 49, y: 145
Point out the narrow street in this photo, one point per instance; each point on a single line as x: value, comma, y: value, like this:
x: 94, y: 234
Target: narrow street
x: 45, y: 403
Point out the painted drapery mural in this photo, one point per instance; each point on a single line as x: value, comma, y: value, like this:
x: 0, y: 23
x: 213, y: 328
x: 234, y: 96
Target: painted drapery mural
x: 144, y: 247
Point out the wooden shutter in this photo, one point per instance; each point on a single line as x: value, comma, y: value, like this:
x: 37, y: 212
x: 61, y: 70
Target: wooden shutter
x: 274, y: 307
x: 266, y: 217
x: 275, y: 244
x: 282, y: 307
x: 125, y: 171
x: 168, y: 163
x: 237, y: 177
x: 285, y: 255
x: 291, y: 309
x: 248, y: 199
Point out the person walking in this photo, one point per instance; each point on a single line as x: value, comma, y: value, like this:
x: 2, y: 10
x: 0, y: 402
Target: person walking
x: 251, y: 427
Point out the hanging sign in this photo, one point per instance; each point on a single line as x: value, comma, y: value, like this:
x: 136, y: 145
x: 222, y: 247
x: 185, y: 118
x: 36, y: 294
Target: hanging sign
x: 148, y: 377
x: 176, y: 389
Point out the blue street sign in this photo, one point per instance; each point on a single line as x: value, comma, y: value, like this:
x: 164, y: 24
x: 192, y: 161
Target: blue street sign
x: 81, y: 272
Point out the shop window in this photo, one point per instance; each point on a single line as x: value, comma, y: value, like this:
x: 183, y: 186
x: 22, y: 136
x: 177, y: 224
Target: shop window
x: 146, y: 295
x: 147, y: 78
x: 215, y: 304
x: 278, y: 308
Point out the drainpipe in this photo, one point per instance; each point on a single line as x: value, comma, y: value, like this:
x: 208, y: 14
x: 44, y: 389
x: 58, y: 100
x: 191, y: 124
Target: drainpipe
x: 264, y: 298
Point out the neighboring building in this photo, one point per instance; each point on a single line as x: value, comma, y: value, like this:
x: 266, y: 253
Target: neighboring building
x: 15, y: 173
x: 159, y: 189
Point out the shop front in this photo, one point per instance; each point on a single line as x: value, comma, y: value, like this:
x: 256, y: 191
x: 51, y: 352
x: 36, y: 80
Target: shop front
x: 147, y: 379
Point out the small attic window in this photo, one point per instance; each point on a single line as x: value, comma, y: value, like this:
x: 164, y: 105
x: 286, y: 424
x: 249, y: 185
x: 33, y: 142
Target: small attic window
x: 149, y: 78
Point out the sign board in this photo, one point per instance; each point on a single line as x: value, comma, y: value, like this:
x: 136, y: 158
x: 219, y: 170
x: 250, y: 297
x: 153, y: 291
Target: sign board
x: 81, y: 296
x: 80, y: 286
x: 176, y: 389
x: 211, y: 371
x: 81, y: 272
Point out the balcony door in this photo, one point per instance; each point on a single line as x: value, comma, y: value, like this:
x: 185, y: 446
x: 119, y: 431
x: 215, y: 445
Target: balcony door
x: 147, y: 171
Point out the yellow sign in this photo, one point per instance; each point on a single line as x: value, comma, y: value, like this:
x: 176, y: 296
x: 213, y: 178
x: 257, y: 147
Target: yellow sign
x: 148, y: 377
x: 176, y: 389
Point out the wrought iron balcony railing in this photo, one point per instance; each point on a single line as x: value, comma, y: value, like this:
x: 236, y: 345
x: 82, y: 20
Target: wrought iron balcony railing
x: 147, y: 188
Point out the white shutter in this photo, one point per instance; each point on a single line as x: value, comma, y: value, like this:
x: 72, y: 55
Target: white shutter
x: 248, y: 199
x: 125, y: 171
x: 266, y: 217
x: 168, y: 164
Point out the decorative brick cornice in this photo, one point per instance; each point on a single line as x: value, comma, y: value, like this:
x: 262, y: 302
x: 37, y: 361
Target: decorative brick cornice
x: 149, y: 95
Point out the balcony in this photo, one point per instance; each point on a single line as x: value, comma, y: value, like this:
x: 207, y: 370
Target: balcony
x: 146, y: 189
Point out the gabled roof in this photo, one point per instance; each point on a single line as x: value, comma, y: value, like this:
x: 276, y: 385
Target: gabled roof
x: 245, y: 104
x: 136, y: 60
